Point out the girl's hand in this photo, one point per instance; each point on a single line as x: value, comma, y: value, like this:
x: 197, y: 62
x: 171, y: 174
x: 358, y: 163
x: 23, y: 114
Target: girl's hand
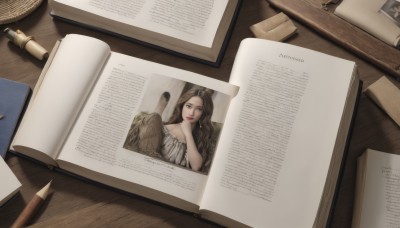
x: 193, y: 154
x: 186, y: 128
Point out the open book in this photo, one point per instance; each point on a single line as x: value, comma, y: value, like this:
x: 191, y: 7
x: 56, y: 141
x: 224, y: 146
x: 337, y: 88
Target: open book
x: 280, y: 129
x: 377, y: 201
x: 198, y: 30
x: 371, y: 17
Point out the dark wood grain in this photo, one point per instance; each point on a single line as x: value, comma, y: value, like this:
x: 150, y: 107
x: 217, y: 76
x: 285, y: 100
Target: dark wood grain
x: 77, y: 203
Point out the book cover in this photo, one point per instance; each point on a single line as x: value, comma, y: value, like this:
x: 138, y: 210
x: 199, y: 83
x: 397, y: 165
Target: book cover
x: 13, y: 96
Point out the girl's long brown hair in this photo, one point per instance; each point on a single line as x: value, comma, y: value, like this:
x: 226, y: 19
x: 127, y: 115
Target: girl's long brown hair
x: 204, y: 131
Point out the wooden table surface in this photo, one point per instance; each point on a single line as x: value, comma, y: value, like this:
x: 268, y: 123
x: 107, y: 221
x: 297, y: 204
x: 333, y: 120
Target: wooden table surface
x: 78, y: 203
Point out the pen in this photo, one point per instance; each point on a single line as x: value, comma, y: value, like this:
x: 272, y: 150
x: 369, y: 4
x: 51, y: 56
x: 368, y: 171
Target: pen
x: 32, y: 207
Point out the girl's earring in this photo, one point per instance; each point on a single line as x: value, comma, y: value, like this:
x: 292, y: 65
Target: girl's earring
x: 200, y: 123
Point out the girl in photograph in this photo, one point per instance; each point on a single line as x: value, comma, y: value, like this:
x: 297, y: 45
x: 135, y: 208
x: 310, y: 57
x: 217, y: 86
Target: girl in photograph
x: 187, y: 136
x: 186, y: 139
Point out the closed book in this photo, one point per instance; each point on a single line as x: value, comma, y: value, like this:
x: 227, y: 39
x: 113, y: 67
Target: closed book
x: 13, y: 96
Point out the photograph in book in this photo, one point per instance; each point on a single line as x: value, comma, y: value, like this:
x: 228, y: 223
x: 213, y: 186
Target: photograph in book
x: 168, y: 106
x: 392, y: 9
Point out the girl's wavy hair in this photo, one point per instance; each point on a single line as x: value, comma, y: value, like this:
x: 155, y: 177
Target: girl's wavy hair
x: 204, y: 131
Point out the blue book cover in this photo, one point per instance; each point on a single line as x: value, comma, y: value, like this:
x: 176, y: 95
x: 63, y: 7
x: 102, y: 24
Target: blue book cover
x: 13, y: 96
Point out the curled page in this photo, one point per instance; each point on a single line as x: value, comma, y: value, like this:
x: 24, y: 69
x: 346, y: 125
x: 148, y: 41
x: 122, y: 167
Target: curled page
x: 47, y: 123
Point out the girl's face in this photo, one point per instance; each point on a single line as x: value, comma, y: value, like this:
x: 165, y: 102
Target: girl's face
x: 192, y: 109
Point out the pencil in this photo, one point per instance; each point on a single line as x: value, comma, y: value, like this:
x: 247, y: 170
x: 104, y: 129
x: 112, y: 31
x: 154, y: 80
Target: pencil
x: 32, y: 207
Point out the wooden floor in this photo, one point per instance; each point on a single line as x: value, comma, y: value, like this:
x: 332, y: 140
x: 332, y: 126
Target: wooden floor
x: 78, y: 203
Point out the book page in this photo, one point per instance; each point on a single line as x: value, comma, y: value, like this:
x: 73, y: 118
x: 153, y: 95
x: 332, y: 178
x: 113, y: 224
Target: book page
x: 9, y: 182
x: 189, y: 20
x: 127, y: 87
x: 380, y: 196
x: 367, y: 16
x: 272, y: 161
x: 62, y: 93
